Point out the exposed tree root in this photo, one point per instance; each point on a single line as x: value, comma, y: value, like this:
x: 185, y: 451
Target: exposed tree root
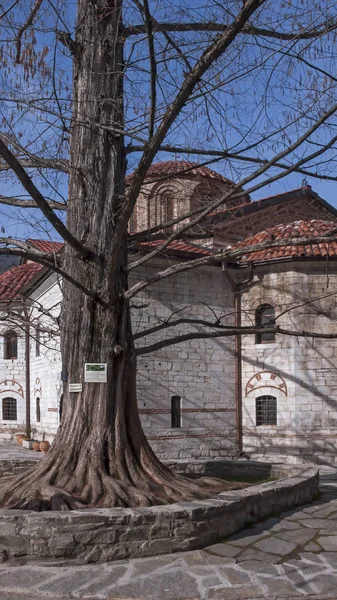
x: 51, y: 491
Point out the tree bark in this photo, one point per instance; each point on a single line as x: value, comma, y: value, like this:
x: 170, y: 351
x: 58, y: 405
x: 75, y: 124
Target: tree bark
x: 100, y: 456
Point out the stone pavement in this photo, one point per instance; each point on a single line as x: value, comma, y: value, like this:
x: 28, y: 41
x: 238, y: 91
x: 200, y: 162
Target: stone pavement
x: 290, y: 557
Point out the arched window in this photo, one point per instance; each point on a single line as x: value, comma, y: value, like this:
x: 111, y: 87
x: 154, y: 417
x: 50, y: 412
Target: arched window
x: 160, y: 209
x: 10, y: 345
x: 38, y: 410
x: 266, y: 410
x: 264, y: 319
x: 133, y: 222
x: 9, y: 410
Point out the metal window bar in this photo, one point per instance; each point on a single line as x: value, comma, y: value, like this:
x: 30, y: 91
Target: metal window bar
x: 266, y: 410
x: 9, y: 412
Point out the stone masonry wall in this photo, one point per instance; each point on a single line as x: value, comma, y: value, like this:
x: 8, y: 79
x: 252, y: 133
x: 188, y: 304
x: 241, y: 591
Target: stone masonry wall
x: 12, y: 379
x: 200, y: 371
x: 46, y: 368
x: 300, y: 372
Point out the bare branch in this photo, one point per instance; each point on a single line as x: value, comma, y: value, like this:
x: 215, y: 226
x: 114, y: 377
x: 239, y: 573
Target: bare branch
x: 232, y: 155
x: 221, y: 27
x: 167, y: 324
x: 42, y: 203
x: 224, y: 256
x: 25, y: 26
x: 209, y: 56
x: 12, y: 201
x: 250, y: 330
x: 17, y: 248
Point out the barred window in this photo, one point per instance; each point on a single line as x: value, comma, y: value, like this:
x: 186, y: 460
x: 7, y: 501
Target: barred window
x: 9, y: 411
x: 176, y: 411
x: 264, y: 319
x: 10, y: 345
x: 266, y: 410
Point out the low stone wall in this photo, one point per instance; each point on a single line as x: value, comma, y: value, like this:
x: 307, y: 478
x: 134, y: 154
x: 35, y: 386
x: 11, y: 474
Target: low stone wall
x: 100, y: 535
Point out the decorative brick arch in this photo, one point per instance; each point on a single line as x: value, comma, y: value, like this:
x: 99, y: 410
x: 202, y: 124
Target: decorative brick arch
x: 264, y: 300
x: 37, y: 387
x: 266, y: 379
x: 11, y: 386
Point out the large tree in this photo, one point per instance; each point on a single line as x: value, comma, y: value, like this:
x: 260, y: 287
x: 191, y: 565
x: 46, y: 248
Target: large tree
x: 247, y: 83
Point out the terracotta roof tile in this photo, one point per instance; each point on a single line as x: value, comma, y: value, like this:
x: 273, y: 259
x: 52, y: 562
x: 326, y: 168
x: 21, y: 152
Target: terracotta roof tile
x: 175, y: 247
x: 297, y: 229
x: 14, y: 280
x: 182, y: 168
x: 45, y: 245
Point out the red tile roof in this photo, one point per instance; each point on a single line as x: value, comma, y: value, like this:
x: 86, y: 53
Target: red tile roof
x: 254, y: 205
x: 45, y: 245
x: 297, y: 229
x: 182, y: 168
x: 176, y: 247
x: 15, y: 279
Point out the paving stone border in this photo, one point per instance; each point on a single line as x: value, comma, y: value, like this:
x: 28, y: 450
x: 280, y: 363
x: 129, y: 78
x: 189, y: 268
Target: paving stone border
x: 100, y: 535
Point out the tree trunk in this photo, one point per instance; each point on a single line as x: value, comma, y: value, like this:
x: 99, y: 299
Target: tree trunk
x: 100, y: 456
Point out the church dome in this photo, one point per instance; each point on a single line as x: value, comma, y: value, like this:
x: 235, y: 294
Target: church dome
x: 182, y: 168
x: 314, y: 228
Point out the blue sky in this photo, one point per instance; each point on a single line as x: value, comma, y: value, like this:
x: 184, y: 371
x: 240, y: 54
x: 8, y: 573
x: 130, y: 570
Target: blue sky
x: 233, y: 118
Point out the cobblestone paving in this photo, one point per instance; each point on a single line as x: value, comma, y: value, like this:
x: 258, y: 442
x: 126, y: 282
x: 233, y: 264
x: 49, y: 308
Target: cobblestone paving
x: 290, y: 557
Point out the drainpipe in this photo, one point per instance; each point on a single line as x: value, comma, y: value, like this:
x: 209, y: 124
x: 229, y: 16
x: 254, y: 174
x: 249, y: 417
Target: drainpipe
x: 237, y: 291
x: 27, y: 361
x: 238, y: 370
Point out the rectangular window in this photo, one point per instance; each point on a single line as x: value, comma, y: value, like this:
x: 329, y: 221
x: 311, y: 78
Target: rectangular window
x: 175, y: 411
x: 37, y: 341
x: 10, y: 345
x: 265, y: 319
x: 9, y: 412
x: 266, y: 410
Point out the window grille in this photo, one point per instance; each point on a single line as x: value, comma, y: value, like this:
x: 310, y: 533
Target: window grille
x: 264, y: 319
x: 10, y: 345
x: 266, y: 410
x: 176, y: 411
x: 9, y: 410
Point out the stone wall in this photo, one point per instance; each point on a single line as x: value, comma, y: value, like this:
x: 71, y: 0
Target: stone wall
x: 306, y: 427
x: 12, y: 379
x: 200, y: 371
x: 102, y: 535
